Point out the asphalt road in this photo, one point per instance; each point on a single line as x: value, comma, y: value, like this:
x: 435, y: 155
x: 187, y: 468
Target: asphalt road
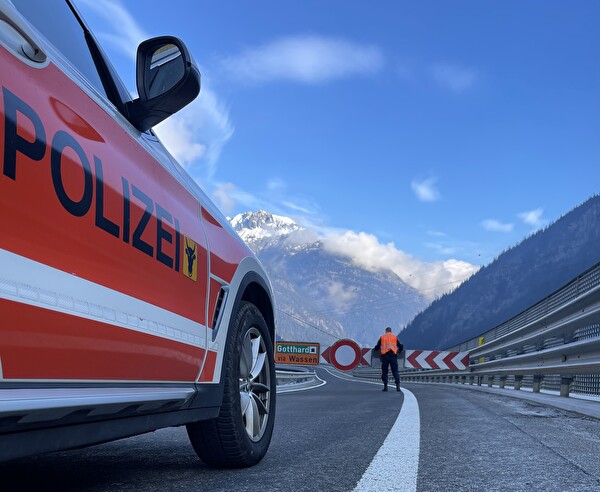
x: 326, y: 438
x: 475, y: 441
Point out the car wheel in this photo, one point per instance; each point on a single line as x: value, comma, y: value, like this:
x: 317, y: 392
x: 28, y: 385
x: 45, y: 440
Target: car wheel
x: 241, y: 434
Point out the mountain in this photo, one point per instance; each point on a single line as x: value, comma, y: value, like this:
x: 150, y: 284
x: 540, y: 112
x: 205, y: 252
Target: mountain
x: 322, y: 296
x: 517, y: 279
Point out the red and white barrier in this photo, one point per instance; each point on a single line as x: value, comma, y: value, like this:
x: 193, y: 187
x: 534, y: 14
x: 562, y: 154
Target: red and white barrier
x: 432, y: 359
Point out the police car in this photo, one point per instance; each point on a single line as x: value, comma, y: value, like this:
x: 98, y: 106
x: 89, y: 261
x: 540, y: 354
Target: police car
x: 127, y: 302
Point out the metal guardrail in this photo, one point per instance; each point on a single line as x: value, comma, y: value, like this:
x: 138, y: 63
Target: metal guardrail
x: 294, y: 379
x: 554, y: 345
x: 291, y: 377
x: 577, y: 288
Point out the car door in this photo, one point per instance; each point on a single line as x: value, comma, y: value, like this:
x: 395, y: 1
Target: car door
x: 103, y: 258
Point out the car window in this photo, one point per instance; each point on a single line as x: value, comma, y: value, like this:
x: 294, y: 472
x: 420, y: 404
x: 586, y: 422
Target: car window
x: 67, y: 35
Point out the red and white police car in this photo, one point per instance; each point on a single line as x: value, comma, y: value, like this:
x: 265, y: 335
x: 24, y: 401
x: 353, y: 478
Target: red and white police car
x: 127, y: 302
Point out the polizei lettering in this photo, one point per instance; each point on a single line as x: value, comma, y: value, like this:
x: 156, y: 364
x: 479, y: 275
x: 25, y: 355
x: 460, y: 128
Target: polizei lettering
x: 68, y: 158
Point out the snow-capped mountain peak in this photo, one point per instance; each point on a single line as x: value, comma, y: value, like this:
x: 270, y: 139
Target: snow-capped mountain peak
x: 321, y: 295
x: 254, y: 226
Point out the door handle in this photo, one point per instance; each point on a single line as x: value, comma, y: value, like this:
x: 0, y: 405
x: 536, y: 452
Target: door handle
x: 17, y: 36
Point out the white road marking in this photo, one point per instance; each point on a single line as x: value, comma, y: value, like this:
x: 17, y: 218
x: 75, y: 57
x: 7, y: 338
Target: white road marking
x: 396, y: 465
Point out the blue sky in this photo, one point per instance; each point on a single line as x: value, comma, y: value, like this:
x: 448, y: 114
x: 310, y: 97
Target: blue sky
x: 429, y: 135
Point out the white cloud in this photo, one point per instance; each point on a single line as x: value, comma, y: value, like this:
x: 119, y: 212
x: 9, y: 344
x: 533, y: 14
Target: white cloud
x: 274, y: 197
x: 298, y: 208
x: 195, y: 135
x: 454, y: 77
x: 426, y: 190
x: 276, y: 184
x: 121, y: 30
x: 177, y: 133
x: 440, y: 248
x: 223, y: 195
x: 339, y: 295
x: 432, y: 279
x: 496, y: 226
x: 301, y: 237
x: 533, y: 218
x: 308, y: 59
x: 229, y: 197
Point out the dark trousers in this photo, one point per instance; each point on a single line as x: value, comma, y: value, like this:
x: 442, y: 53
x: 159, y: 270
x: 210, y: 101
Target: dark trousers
x: 389, y: 360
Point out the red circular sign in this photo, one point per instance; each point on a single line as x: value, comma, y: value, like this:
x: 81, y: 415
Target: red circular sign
x: 345, y: 354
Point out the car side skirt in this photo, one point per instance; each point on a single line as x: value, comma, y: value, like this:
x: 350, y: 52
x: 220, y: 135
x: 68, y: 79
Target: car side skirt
x: 41, y: 418
x: 19, y: 445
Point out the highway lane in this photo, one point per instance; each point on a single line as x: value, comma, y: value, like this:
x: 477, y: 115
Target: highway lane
x: 326, y: 438
x: 476, y: 441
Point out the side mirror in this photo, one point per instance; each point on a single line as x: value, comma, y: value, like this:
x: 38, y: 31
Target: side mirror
x: 167, y: 80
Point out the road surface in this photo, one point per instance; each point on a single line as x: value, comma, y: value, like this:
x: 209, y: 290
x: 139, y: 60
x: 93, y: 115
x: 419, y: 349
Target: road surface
x: 348, y: 435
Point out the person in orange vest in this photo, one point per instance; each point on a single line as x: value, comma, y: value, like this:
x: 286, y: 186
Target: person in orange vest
x: 390, y: 346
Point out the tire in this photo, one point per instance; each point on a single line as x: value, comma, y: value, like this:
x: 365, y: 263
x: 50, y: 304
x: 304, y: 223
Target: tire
x: 241, y: 434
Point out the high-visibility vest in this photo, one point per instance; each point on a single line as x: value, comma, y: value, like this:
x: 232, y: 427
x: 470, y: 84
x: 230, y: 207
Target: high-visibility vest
x: 389, y: 341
